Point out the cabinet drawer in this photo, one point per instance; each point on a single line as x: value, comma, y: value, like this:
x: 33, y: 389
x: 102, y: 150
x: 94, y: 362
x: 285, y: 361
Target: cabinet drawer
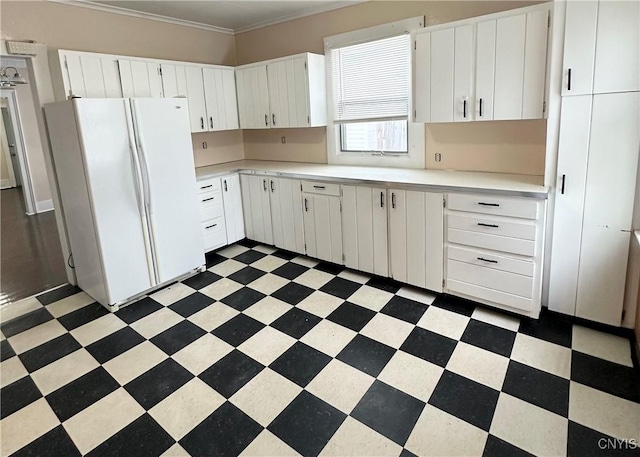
x: 493, y: 226
x: 214, y: 234
x: 490, y: 278
x: 210, y: 205
x: 490, y: 260
x: 489, y: 204
x: 492, y: 295
x: 315, y: 187
x: 208, y: 185
x: 492, y: 242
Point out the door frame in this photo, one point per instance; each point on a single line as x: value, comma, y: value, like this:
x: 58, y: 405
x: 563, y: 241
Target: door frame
x: 23, y: 161
x: 7, y: 153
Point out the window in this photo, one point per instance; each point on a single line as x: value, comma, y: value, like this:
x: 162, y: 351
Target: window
x: 369, y: 79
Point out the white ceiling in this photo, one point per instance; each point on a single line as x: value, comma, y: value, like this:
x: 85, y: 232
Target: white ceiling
x: 228, y: 15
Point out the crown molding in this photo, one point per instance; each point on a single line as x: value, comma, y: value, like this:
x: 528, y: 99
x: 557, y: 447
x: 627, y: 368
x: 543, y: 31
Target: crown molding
x: 198, y: 25
x: 289, y: 17
x: 143, y: 15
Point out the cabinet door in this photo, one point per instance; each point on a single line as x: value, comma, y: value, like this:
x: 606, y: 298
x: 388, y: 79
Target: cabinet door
x: 220, y: 89
x: 579, y: 47
x: 463, y: 73
x: 535, y: 64
x: 323, y: 227
x: 279, y: 94
x: 257, y: 208
x: 422, y: 77
x: 441, y: 75
x: 509, y: 80
x: 485, y: 69
x: 608, y: 207
x: 93, y: 76
x: 297, y: 92
x: 617, y: 61
x: 140, y: 79
x: 350, y: 242
x: 174, y: 81
x: 573, y: 151
x: 253, y: 98
x: 195, y: 96
x: 380, y: 232
x: 416, y: 238
x: 232, y: 200
x: 286, y: 214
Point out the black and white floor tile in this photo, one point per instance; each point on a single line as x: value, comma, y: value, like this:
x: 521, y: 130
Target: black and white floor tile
x: 270, y: 354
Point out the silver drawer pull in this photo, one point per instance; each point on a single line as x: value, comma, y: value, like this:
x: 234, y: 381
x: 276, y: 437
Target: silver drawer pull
x: 207, y: 199
x: 488, y: 204
x: 206, y: 187
x: 319, y: 187
x: 487, y: 260
x: 210, y: 226
x: 488, y: 225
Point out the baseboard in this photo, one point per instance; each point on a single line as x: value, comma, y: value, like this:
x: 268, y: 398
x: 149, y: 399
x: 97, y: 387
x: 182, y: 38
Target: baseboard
x: 6, y: 184
x: 45, y: 205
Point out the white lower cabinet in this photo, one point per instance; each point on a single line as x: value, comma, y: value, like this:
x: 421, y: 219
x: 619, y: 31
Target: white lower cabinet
x: 232, y: 201
x: 415, y: 231
x: 212, y: 213
x: 257, y: 208
x: 286, y: 214
x: 494, y: 250
x: 364, y: 229
x: 323, y: 224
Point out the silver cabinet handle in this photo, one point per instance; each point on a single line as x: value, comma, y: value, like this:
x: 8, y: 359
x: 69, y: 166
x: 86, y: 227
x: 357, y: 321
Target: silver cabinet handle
x: 393, y: 200
x: 264, y: 185
x: 225, y: 186
x: 271, y: 186
x: 464, y: 108
x: 488, y: 204
x: 306, y: 207
x: 564, y: 177
x: 319, y: 187
x: 569, y: 79
x: 487, y: 260
x: 480, y: 107
x: 207, y: 199
x: 266, y: 120
x: 273, y: 117
x: 205, y: 187
x: 210, y: 226
x: 202, y: 123
x: 381, y: 199
x: 211, y: 121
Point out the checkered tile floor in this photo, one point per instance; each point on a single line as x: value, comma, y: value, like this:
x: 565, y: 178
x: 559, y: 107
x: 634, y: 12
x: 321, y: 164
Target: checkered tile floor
x: 269, y: 353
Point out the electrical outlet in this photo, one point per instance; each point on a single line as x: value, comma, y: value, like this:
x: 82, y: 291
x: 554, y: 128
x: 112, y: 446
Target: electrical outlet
x: 204, y: 145
x: 438, y: 157
x: 283, y: 140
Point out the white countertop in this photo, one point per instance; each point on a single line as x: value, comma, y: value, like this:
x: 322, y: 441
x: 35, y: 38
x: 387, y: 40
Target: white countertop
x: 523, y: 185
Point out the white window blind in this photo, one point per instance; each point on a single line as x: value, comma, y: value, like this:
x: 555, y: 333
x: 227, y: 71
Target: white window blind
x: 371, y: 80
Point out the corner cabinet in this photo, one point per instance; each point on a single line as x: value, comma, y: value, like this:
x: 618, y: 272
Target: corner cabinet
x: 485, y: 68
x: 282, y: 93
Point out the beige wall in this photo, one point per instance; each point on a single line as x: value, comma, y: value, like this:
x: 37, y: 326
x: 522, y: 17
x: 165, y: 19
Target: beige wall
x: 510, y: 147
x: 222, y: 147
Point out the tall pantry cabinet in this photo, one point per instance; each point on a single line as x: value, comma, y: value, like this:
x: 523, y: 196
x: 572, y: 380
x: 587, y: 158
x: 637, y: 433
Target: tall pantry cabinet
x: 598, y: 160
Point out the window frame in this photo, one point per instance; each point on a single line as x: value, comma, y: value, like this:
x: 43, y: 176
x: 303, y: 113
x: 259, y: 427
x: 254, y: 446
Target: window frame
x: 415, y: 155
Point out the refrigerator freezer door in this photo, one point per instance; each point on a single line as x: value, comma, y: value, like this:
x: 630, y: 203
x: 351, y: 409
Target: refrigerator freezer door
x: 166, y: 153
x: 113, y: 182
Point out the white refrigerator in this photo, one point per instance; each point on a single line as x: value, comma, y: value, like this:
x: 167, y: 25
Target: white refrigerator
x: 127, y: 182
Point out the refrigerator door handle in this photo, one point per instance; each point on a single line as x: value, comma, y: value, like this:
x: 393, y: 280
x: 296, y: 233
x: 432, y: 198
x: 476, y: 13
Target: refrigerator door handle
x: 135, y: 166
x: 145, y: 180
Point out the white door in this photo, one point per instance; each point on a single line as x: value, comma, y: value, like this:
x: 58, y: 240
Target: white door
x: 535, y: 64
x: 579, y: 47
x: 174, y: 81
x: 232, y: 201
x: 253, y: 98
x: 617, y: 62
x: 257, y: 208
x: 286, y: 214
x: 441, y: 75
x: 297, y: 93
x: 422, y: 77
x: 279, y: 89
x: 166, y: 154
x: 463, y: 73
x: 573, y: 152
x: 323, y: 227
x: 140, y: 79
x: 485, y: 69
x: 195, y: 95
x: 509, y: 79
x: 220, y: 90
x: 119, y: 216
x: 609, y: 198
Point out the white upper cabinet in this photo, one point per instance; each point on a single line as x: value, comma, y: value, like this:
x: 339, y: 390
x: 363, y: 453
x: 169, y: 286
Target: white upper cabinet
x: 484, y: 68
x: 91, y: 75
x: 140, y: 79
x: 253, y: 97
x: 283, y: 93
x: 210, y: 92
x: 601, y: 47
